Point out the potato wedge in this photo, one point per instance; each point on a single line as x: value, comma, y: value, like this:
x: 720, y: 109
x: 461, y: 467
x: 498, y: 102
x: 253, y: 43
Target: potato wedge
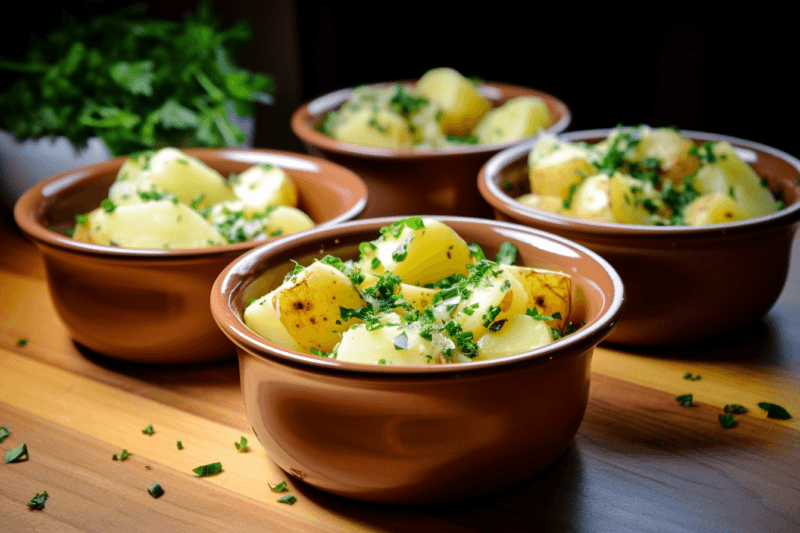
x: 374, y: 127
x: 461, y: 104
x: 592, y: 199
x: 714, y: 208
x: 385, y: 346
x: 543, y: 202
x: 515, y: 334
x: 261, y: 317
x: 518, y: 118
x: 191, y: 180
x: 494, y: 299
x: 262, y: 186
x: 548, y: 291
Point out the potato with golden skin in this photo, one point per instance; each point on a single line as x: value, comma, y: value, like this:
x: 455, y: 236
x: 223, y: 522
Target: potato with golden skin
x: 714, y: 208
x: 380, y: 128
x: 308, y: 306
x: 462, y: 105
x: 516, y: 334
x: 671, y: 149
x: 555, y: 166
x: 262, y: 318
x: 516, y: 119
x: 549, y: 292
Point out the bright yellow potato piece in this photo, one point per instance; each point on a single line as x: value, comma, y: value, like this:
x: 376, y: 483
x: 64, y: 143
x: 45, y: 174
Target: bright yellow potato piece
x: 627, y: 195
x: 285, y: 220
x: 261, y: 317
x: 417, y: 297
x: 308, y: 306
x: 548, y: 291
x: 671, y: 149
x: 360, y: 345
x: 516, y: 119
x: 133, y: 166
x: 262, y: 186
x: 461, y: 104
x: 729, y: 175
x: 188, y: 178
x: 432, y: 252
x: 503, y: 292
x: 518, y: 334
x: 543, y: 202
x: 374, y: 127
x: 554, y: 167
x: 124, y: 192
x: 714, y: 208
x: 592, y: 199
x: 157, y: 224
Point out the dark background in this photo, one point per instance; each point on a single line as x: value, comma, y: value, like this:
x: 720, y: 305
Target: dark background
x: 717, y: 70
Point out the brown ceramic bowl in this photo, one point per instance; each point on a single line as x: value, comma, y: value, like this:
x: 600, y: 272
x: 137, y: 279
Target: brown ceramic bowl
x: 683, y: 283
x: 416, y: 434
x: 410, y: 181
x: 151, y: 306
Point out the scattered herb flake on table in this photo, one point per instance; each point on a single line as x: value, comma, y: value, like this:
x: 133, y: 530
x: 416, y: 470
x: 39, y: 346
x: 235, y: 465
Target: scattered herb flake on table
x: 180, y: 445
x: 775, y: 411
x: 4, y: 433
x: 155, y: 490
x: 122, y: 456
x: 288, y: 499
x: 279, y: 487
x: 37, y: 502
x: 22, y: 342
x: 691, y: 377
x: 16, y: 454
x: 727, y: 420
x: 208, y: 470
x: 241, y: 445
x: 736, y: 409
x: 685, y: 400
x: 149, y: 430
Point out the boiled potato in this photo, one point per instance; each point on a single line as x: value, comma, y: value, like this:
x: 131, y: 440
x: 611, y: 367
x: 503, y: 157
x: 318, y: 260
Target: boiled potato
x: 555, y: 167
x: 496, y: 297
x: 628, y: 196
x: 419, y: 256
x: 124, y: 192
x: 592, y: 199
x: 516, y: 119
x: 714, y: 208
x: 549, y: 292
x: 262, y: 186
x: 285, y: 220
x: 380, y: 128
x: 543, y: 202
x: 158, y: 224
x: 417, y: 297
x: 261, y: 317
x: 513, y: 335
x: 384, y: 346
x: 462, y: 106
x: 308, y: 307
x: 188, y: 178
x: 671, y: 149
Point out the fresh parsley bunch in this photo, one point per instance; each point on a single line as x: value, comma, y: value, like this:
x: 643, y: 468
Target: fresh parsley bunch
x: 134, y: 82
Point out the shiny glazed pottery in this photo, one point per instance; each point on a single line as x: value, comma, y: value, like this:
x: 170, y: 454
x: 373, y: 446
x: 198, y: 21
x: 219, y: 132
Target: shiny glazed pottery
x: 151, y: 306
x: 417, y: 434
x: 683, y: 283
x: 411, y: 181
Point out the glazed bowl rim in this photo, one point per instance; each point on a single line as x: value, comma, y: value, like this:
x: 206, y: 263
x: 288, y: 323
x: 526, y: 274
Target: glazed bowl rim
x: 499, y: 200
x: 586, y: 337
x: 333, y: 100
x: 27, y: 207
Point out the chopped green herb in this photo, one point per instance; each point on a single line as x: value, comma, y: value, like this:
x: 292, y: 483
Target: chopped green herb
x: 208, y: 470
x: 81, y: 218
x: 278, y: 487
x: 467, y: 139
x: 122, y: 456
x: 476, y: 252
x: 490, y: 314
x: 535, y: 314
x: 779, y: 204
x: 691, y: 377
x: 727, y: 420
x: 507, y: 185
x: 773, y: 411
x: 37, y: 502
x: 155, y: 490
x: 381, y: 361
x: 507, y: 255
x: 288, y: 499
x: 17, y: 454
x: 4, y: 433
x: 180, y: 445
x: 108, y: 205
x: 736, y: 409
x: 376, y: 263
x: 22, y: 342
x: 401, y: 342
x: 567, y: 203
x: 497, y: 326
x: 318, y: 352
x: 196, y: 201
x: 685, y: 400
x: 241, y: 445
x: 149, y: 430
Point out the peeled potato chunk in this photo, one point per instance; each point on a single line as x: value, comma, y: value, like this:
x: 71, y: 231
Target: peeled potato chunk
x: 592, y: 199
x: 628, y: 200
x: 308, y: 306
x: 159, y: 224
x: 261, y: 317
x: 462, y: 106
x: 516, y: 119
x: 285, y: 220
x: 671, y: 149
x: 544, y: 202
x: 262, y: 186
x: 513, y: 335
x: 554, y: 167
x: 714, y: 208
x: 389, y: 345
x: 549, y: 292
x: 374, y: 127
x: 495, y: 299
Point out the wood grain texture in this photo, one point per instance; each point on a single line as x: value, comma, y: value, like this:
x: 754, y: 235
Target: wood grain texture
x: 640, y: 463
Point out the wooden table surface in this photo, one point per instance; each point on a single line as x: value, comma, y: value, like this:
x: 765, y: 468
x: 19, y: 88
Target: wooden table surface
x: 640, y: 462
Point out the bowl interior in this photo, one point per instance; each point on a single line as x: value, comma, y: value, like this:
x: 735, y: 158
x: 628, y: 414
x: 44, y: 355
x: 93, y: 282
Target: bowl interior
x: 597, y: 297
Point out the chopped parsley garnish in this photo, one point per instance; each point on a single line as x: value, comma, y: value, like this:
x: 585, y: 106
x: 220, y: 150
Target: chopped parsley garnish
x: 507, y: 255
x: 401, y: 252
x: 567, y: 203
x: 180, y: 445
x: 704, y: 153
x: 466, y: 139
x: 81, y: 218
x: 156, y: 490
x: 19, y: 453
x: 476, y: 252
x: 297, y: 269
x: 401, y: 341
x: 727, y: 420
x: 376, y: 263
x: 121, y: 456
x: 37, y: 502
x: 320, y: 353
x: 536, y: 315
x: 4, y: 433
x: 497, y: 326
x: 405, y: 103
x: 108, y: 206
x: 22, y: 342
x: 490, y: 314
x: 736, y: 409
x: 278, y: 487
x: 208, y: 470
x: 691, y: 377
x: 288, y: 499
x: 685, y: 400
x: 773, y: 411
x: 241, y: 445
x: 149, y: 430
x: 196, y: 201
x: 415, y: 223
x: 381, y: 361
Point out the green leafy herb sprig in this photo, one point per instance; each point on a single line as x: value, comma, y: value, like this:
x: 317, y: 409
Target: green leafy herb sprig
x: 37, y: 502
x: 134, y: 81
